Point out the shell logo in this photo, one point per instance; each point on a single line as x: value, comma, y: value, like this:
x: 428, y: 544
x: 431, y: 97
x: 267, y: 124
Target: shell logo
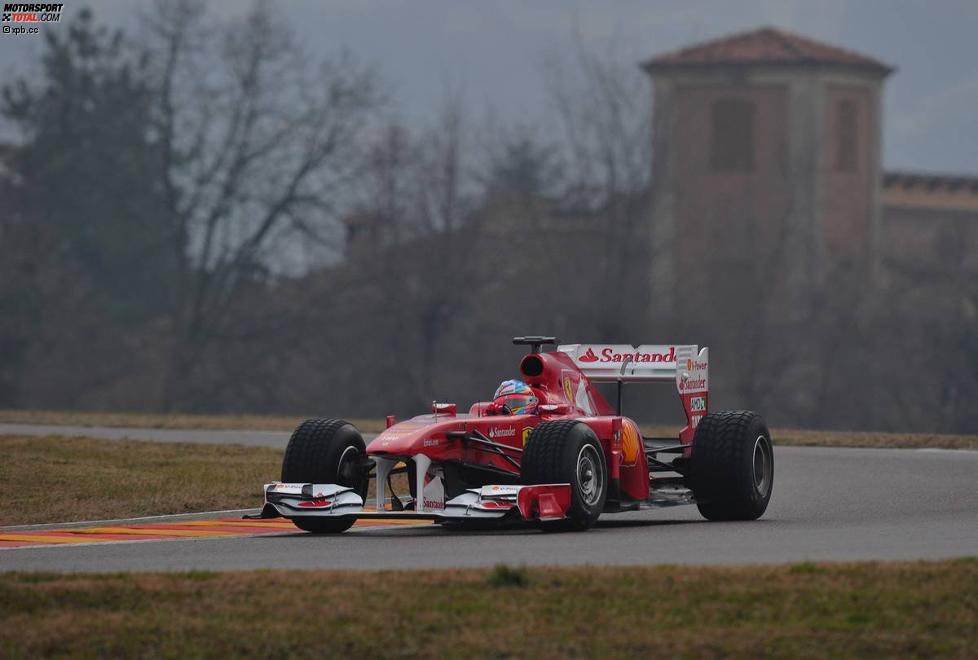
x: 631, y: 443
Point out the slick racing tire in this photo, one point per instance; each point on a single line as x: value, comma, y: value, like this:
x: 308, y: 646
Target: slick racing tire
x: 731, y: 471
x: 566, y: 451
x: 326, y: 451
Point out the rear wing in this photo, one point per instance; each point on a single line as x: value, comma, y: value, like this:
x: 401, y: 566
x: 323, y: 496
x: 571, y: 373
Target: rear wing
x: 685, y: 364
x: 610, y: 363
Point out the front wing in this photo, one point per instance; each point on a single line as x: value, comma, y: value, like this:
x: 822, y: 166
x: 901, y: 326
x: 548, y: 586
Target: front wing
x: 537, y: 502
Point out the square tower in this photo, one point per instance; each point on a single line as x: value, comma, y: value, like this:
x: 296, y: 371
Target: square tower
x: 766, y: 163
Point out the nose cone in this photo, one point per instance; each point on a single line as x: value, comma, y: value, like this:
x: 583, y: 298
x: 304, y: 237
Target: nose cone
x: 408, y: 438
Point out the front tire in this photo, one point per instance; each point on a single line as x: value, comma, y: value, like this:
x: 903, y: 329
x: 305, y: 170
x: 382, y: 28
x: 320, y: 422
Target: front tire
x: 326, y: 451
x: 732, y: 466
x: 566, y: 451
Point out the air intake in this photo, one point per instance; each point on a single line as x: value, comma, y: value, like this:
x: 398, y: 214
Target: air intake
x: 531, y: 366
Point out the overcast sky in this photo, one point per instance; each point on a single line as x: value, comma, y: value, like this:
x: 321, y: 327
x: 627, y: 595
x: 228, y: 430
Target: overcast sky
x: 494, y: 51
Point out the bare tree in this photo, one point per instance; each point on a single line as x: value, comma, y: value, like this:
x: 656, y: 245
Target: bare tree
x: 435, y: 266
x: 925, y: 341
x: 256, y: 149
x: 605, y: 129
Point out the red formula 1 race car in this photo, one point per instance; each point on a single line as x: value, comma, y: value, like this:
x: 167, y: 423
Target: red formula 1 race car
x: 549, y: 449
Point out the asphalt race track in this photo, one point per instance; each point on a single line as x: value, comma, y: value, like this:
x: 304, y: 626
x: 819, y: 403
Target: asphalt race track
x: 828, y: 504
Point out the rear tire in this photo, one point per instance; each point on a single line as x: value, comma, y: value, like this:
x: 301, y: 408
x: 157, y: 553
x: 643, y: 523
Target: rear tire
x: 732, y: 466
x: 326, y: 451
x: 566, y: 451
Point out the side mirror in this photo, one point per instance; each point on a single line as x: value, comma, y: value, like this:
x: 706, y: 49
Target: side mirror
x: 444, y: 409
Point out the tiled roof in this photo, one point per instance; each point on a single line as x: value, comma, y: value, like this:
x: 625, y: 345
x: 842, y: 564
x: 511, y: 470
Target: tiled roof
x: 764, y: 46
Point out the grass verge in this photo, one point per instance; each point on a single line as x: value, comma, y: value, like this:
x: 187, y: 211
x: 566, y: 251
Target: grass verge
x: 873, y: 439
x: 65, y: 479
x: 168, y: 420
x: 924, y: 609
x: 60, y: 479
x: 786, y: 437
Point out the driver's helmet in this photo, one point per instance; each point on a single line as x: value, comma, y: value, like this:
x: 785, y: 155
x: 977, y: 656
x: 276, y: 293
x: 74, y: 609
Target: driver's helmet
x: 517, y: 397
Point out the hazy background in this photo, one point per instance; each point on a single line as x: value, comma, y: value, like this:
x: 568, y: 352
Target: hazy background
x: 495, y: 51
x: 349, y: 208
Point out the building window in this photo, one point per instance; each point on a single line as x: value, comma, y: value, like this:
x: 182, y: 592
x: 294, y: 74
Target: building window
x: 733, y: 136
x: 845, y: 135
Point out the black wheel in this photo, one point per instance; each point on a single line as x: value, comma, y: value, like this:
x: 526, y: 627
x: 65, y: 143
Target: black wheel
x: 565, y: 451
x: 731, y: 470
x: 326, y: 451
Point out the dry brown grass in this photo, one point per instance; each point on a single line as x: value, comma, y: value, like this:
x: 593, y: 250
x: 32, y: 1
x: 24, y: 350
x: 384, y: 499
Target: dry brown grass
x: 800, y: 437
x: 924, y: 609
x: 786, y: 437
x: 60, y: 479
x: 167, y: 420
x: 807, y: 438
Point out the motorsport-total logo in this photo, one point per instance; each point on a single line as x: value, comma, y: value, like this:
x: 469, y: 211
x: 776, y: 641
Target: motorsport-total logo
x: 31, y: 12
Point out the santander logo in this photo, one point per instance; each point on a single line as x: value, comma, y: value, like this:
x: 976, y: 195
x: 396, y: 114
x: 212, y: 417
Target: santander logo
x: 609, y: 354
x: 588, y: 356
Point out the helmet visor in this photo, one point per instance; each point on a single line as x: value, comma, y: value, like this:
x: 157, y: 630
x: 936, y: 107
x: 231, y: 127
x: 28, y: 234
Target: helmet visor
x: 520, y: 403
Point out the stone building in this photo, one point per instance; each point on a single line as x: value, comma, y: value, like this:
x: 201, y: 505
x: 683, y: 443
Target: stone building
x: 930, y: 222
x: 768, y: 143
